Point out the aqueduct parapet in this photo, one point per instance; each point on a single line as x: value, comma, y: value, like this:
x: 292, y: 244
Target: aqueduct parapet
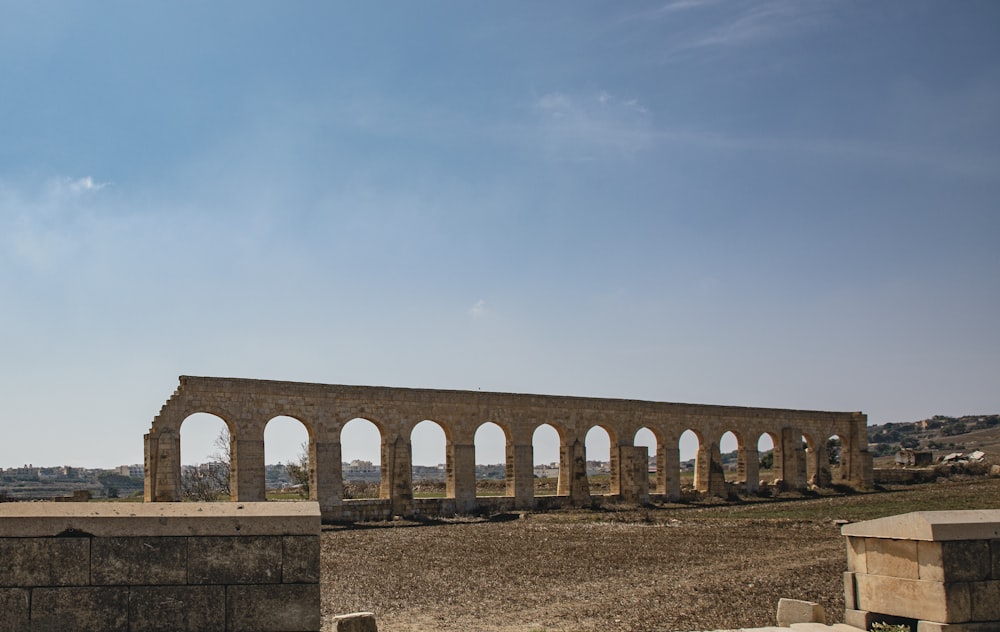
x: 246, y: 406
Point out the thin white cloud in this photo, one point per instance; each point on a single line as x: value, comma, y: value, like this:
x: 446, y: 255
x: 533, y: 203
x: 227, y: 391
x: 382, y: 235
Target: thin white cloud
x: 69, y: 187
x: 589, y: 127
x: 479, y: 309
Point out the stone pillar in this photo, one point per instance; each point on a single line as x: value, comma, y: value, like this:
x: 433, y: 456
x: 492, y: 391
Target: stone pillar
x: 793, y: 459
x: 573, y: 473
x: 635, y: 474
x: 749, y: 468
x: 326, y: 476
x: 163, y: 467
x: 855, y: 459
x: 461, y: 473
x: 397, y: 475
x: 246, y: 469
x: 615, y: 469
x: 668, y: 467
x: 709, y: 477
x: 521, y: 475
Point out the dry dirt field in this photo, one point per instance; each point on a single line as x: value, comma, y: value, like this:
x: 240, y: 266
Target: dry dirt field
x: 678, y: 567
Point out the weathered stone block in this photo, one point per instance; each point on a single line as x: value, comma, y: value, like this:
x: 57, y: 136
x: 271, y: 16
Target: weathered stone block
x: 139, y: 561
x: 850, y: 601
x: 861, y: 619
x: 797, y: 611
x: 44, y: 561
x: 83, y: 609
x: 894, y: 558
x: 234, y: 560
x: 14, y: 604
x: 273, y: 608
x: 177, y: 608
x: 985, y: 601
x: 856, y: 560
x: 355, y: 622
x: 954, y: 561
x: 934, y: 601
x: 995, y: 555
x: 300, y: 559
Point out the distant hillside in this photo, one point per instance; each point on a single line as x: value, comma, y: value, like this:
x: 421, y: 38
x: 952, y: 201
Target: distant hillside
x: 939, y: 434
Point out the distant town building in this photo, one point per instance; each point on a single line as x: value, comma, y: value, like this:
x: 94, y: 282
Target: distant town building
x: 134, y: 470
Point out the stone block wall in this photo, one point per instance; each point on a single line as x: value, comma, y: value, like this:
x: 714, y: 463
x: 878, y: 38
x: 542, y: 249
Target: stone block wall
x: 122, y: 567
x: 940, y: 569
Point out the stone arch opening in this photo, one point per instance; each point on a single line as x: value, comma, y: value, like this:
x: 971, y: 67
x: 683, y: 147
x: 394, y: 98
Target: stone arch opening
x: 729, y: 454
x: 545, y: 448
x: 429, y: 444
x: 287, y: 470
x: 491, y: 460
x: 646, y: 438
x: 767, y: 457
x: 597, y: 447
x: 689, y: 450
x: 205, y: 457
x: 361, y: 459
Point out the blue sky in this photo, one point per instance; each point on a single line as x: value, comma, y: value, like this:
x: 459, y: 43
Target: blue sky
x: 776, y: 203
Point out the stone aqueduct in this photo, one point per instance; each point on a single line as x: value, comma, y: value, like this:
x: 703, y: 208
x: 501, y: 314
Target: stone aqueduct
x: 799, y: 439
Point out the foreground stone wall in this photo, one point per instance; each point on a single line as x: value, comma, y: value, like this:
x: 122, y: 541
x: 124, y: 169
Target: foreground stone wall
x: 246, y: 406
x: 128, y: 566
x: 938, y: 569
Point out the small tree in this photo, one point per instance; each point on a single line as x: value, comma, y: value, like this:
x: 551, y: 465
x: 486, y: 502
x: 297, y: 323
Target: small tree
x: 299, y: 471
x: 210, y: 481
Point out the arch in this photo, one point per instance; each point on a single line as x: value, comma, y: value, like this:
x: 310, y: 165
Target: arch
x: 598, y: 447
x: 647, y: 438
x: 491, y: 443
x: 768, y: 459
x: 288, y: 474
x: 361, y: 443
x: 731, y: 457
x: 689, y: 448
x: 205, y: 456
x: 429, y: 443
x: 546, y: 442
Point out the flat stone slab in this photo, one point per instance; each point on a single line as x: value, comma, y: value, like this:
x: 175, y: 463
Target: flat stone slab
x: 124, y: 519
x: 937, y: 526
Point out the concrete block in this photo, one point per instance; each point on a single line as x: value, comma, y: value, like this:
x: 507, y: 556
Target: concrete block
x: 355, y: 622
x: 84, y: 609
x: 955, y: 561
x: 159, y: 519
x: 850, y: 592
x: 300, y: 559
x: 913, y: 598
x: 797, y: 611
x: 44, y: 561
x: 985, y: 601
x: 139, y: 561
x: 861, y: 619
x: 14, y: 609
x: 177, y: 608
x: 893, y: 558
x: 856, y: 561
x: 273, y: 608
x: 234, y: 560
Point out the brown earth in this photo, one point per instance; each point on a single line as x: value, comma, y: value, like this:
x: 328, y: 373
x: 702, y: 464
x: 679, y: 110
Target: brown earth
x: 695, y: 566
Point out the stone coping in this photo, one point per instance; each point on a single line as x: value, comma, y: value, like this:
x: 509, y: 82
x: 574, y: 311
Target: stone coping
x: 937, y: 526
x: 121, y: 519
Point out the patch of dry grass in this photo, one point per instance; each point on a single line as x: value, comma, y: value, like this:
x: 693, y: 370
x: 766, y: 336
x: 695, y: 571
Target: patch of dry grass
x: 684, y: 567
